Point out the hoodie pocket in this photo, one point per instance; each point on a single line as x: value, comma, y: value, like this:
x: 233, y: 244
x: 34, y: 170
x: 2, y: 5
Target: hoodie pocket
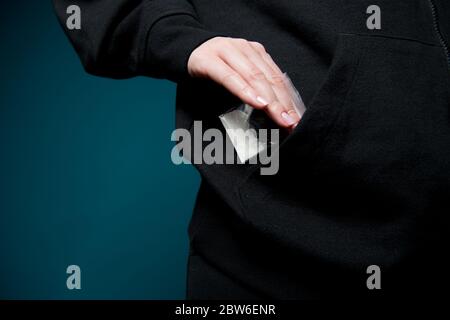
x: 359, y: 174
x: 301, y: 147
x: 329, y: 98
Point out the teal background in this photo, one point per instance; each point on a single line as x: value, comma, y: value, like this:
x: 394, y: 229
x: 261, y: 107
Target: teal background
x: 85, y: 173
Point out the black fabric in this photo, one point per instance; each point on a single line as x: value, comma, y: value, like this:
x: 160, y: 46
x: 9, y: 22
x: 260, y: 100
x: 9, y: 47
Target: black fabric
x: 364, y: 178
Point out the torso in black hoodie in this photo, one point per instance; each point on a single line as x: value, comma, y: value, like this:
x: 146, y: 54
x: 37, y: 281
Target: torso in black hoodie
x: 364, y: 178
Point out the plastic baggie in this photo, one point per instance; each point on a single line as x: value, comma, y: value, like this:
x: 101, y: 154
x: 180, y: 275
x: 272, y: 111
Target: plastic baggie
x: 243, y: 125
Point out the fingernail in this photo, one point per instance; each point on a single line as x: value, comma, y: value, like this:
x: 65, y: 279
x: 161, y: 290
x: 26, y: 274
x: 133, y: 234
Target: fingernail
x: 288, y: 119
x: 262, y: 101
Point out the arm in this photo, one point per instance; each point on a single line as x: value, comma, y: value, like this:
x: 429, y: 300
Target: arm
x: 164, y: 39
x: 126, y: 38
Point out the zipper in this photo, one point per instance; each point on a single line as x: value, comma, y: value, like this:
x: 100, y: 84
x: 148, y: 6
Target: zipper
x: 437, y: 29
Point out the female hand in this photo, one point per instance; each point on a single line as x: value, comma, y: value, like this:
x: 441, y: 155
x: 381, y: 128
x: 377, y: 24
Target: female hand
x: 247, y: 71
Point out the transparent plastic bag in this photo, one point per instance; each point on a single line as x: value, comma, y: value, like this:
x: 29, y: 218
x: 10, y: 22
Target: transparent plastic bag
x: 243, y: 125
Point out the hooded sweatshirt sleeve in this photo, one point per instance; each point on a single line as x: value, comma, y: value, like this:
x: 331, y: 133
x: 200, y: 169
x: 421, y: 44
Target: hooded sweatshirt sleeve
x: 126, y: 38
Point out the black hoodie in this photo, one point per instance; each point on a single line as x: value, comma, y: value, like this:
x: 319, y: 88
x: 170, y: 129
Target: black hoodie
x: 364, y: 178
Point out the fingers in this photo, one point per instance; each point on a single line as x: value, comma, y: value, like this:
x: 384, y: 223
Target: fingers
x: 272, y: 77
x: 277, y: 78
x: 254, y: 76
x: 248, y: 63
x: 233, y: 82
x: 247, y: 71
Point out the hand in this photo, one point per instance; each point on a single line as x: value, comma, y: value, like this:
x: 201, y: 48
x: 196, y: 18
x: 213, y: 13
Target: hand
x: 247, y: 71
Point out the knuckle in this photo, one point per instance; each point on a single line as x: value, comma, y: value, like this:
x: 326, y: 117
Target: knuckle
x: 216, y: 43
x: 222, y: 43
x: 225, y: 50
x: 277, y: 80
x: 221, y: 40
x: 275, y: 107
x: 225, y: 45
x: 256, y: 74
x: 258, y: 46
x: 224, y: 79
x: 240, y: 41
x: 245, y: 88
x: 201, y: 66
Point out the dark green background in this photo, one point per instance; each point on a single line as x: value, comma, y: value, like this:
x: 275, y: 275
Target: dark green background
x: 85, y: 172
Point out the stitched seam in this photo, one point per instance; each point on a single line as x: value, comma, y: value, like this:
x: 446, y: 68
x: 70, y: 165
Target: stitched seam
x: 393, y: 38
x: 356, y: 72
